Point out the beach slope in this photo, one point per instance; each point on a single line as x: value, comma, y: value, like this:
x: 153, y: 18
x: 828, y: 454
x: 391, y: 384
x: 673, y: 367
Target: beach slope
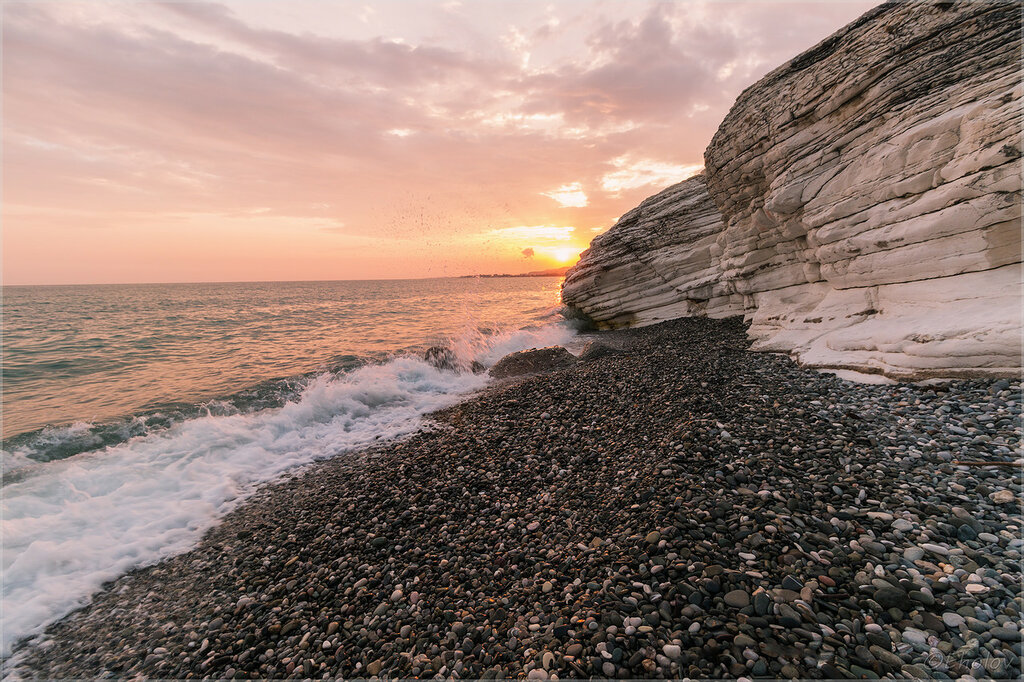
x: 675, y: 506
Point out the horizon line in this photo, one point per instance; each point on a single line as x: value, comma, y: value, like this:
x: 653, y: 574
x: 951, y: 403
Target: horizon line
x: 279, y: 281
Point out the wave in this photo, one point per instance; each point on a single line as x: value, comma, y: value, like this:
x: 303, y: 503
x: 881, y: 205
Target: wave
x: 71, y: 524
x: 54, y: 442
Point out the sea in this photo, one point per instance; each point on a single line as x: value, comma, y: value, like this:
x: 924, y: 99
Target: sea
x: 135, y: 416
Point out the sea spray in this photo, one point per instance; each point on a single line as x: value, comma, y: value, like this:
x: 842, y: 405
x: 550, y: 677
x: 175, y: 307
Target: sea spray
x: 70, y: 525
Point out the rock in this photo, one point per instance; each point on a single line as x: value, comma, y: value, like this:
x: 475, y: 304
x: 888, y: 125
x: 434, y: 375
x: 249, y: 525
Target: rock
x: 620, y: 280
x: 913, y: 554
x: 532, y: 362
x: 965, y: 533
x: 1002, y: 497
x: 672, y: 651
x: 1004, y: 634
x: 885, y: 656
x: 442, y: 357
x: 953, y: 620
x: 595, y: 350
x: 915, y: 672
x: 890, y: 597
x: 790, y: 671
x: 863, y: 673
x: 934, y: 549
x: 737, y: 599
x: 762, y: 603
x: 921, y: 597
x: 915, y: 636
x: 788, y: 617
x: 743, y: 641
x: 791, y: 583
x: 862, y: 213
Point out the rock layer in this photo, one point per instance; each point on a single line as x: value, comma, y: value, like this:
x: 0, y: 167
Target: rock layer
x: 860, y: 205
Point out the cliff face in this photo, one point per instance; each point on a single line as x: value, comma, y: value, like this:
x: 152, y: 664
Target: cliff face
x: 860, y: 205
x: 659, y: 262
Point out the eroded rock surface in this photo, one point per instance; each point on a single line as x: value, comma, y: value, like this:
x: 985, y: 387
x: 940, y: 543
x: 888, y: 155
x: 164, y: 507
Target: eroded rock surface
x: 860, y: 205
x: 659, y: 262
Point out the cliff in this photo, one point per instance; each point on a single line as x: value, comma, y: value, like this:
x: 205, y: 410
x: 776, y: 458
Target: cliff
x: 860, y: 205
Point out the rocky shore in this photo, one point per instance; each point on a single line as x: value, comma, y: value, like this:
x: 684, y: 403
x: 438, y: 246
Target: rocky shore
x: 860, y: 205
x: 675, y: 507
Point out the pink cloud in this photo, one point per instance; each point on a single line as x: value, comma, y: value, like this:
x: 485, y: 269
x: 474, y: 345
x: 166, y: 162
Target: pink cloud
x: 126, y: 124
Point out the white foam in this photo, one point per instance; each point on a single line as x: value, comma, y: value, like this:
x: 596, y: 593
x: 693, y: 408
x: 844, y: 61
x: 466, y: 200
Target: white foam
x: 76, y: 523
x: 49, y: 436
x: 487, y: 350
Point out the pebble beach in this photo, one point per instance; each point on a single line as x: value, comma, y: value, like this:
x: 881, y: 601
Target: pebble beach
x: 671, y: 505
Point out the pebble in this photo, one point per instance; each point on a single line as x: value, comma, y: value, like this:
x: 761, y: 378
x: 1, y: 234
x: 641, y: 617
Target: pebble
x: 952, y: 620
x: 619, y: 536
x: 935, y: 549
x: 1005, y: 634
x: 913, y: 553
x: 791, y: 583
x: 742, y: 640
x: 1002, y: 497
x: 737, y: 599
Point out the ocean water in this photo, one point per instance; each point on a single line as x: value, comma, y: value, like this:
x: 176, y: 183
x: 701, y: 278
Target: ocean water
x: 136, y: 416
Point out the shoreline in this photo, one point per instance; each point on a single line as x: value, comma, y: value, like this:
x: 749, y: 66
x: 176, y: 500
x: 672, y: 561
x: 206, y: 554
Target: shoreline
x: 682, y: 507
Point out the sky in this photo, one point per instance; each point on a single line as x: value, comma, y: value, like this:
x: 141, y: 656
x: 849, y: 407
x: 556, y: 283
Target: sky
x: 259, y: 140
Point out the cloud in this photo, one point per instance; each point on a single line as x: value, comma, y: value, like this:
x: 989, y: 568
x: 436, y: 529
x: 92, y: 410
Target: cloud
x: 527, y: 252
x: 136, y: 113
x: 536, y: 233
x: 571, y: 195
x: 632, y: 173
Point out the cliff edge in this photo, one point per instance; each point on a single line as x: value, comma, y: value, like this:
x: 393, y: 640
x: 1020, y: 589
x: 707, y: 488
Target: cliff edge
x: 860, y: 205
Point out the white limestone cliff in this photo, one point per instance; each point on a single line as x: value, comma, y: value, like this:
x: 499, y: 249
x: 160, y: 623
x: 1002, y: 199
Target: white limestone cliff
x: 860, y: 205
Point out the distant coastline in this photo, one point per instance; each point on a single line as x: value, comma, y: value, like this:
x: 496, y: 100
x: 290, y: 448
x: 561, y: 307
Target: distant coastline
x: 553, y: 272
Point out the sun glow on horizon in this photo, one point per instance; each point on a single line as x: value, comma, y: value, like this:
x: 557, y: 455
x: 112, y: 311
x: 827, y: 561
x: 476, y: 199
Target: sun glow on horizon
x: 566, y: 255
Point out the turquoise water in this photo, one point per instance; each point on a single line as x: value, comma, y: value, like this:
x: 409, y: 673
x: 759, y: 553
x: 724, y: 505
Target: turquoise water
x: 137, y: 416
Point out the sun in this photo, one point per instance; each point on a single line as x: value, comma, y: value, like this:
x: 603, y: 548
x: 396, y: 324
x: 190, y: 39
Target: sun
x: 565, y: 255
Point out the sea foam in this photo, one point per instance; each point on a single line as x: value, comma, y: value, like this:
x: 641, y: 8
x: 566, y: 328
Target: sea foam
x: 73, y: 524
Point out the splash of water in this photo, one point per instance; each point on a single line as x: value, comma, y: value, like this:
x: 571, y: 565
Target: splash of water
x: 71, y: 525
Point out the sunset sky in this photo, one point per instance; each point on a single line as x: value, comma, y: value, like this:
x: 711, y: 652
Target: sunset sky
x: 273, y: 140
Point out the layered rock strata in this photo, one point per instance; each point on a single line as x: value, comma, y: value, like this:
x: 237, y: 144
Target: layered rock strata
x: 860, y: 205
